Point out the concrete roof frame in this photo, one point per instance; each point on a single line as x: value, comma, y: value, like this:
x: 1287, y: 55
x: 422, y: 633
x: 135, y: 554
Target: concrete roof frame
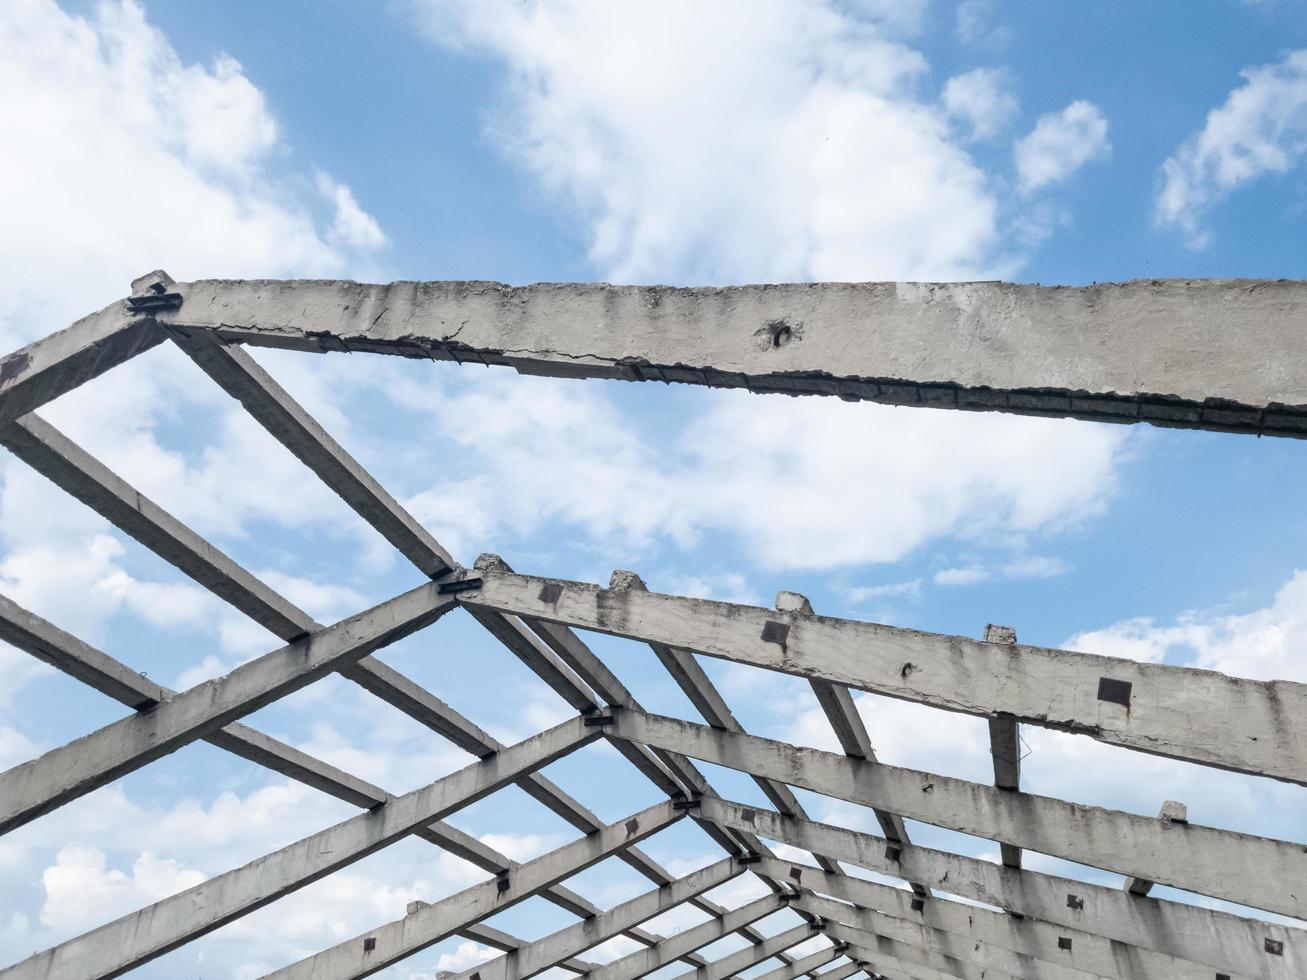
x: 1215, y: 354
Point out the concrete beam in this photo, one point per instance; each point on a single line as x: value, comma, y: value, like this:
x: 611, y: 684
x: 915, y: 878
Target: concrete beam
x: 644, y: 961
x: 698, y: 687
x: 80, y: 474
x: 141, y: 936
x: 959, y: 929
x: 576, y: 674
x: 65, y: 773
x: 559, y: 946
x: 286, y: 420
x: 1153, y: 708
x: 927, y: 948
x: 1171, y: 810
x: 427, y: 925
x: 750, y: 956
x: 1216, y: 354
x: 29, y: 632
x: 486, y: 935
x: 1226, y: 943
x: 901, y: 960
x: 42, y: 371
x: 1258, y: 872
x: 55, y: 456
x: 837, y: 705
x: 805, y: 964
x: 1005, y: 745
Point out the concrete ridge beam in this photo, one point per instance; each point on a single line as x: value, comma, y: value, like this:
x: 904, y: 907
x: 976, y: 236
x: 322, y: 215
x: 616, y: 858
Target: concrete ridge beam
x: 1223, y: 941
x: 1257, y: 872
x: 141, y: 936
x: 1215, y: 354
x: 1153, y: 708
x: 33, y: 788
x: 428, y: 924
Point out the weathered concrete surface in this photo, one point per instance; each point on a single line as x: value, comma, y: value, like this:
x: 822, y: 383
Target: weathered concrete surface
x: 429, y: 924
x: 901, y: 960
x: 565, y: 943
x: 46, y: 369
x: 1180, y: 712
x: 1258, y: 872
x: 486, y: 935
x: 76, y: 471
x: 741, y: 960
x: 1227, y: 943
x: 970, y: 932
x: 286, y: 420
x: 141, y: 936
x: 52, y: 454
x: 792, y: 971
x: 72, y: 770
x: 1219, y: 354
x: 98, y: 670
x: 980, y: 961
x: 1005, y: 744
x: 645, y: 961
x: 837, y: 705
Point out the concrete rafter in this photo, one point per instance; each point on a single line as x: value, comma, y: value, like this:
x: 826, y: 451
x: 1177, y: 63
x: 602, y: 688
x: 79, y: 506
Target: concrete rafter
x: 1219, y: 364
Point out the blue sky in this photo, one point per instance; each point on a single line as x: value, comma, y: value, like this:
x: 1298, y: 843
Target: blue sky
x: 566, y: 140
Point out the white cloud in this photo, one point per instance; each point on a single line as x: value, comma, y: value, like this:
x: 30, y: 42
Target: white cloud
x: 975, y: 26
x: 721, y: 586
x: 126, y: 157
x: 81, y: 892
x: 352, y: 226
x: 734, y: 141
x: 969, y: 575
x: 888, y: 480
x: 466, y: 954
x: 982, y: 100
x: 1265, y: 644
x: 910, y: 589
x: 1261, y: 129
x: 1060, y: 144
x: 130, y: 158
x: 1023, y: 567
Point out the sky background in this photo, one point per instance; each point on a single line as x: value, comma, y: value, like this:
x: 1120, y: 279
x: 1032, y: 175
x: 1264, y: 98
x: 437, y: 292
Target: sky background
x: 680, y: 143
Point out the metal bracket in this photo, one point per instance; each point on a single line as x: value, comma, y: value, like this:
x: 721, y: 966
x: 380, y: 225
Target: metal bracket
x: 749, y: 858
x: 685, y: 804
x: 598, y: 721
x: 459, y: 585
x: 154, y: 301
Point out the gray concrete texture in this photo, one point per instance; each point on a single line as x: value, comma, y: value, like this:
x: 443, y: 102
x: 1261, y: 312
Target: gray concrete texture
x: 1217, y: 354
x: 1220, y: 354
